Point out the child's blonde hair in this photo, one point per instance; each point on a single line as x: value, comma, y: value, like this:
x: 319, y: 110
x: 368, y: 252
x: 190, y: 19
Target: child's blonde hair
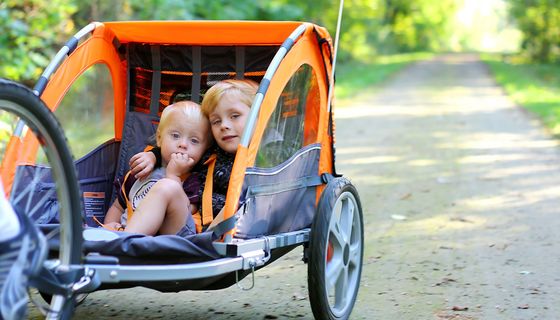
x: 244, y: 89
x: 188, y: 108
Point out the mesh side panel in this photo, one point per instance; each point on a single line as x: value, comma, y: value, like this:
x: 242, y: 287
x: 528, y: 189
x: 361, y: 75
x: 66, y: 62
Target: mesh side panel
x: 176, y: 86
x: 217, y: 63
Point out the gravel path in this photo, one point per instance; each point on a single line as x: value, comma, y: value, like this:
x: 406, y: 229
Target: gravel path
x: 461, y: 194
x: 460, y: 190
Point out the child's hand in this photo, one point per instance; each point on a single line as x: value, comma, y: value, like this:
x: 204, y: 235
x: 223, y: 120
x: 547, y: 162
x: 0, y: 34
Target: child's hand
x: 178, y: 164
x: 142, y: 164
x: 113, y: 225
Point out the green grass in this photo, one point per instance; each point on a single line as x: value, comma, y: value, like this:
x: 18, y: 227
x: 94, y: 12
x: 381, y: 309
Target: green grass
x: 355, y: 76
x: 535, y: 87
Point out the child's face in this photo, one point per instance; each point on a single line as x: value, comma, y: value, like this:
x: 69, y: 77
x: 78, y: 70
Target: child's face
x: 183, y: 134
x: 228, y: 121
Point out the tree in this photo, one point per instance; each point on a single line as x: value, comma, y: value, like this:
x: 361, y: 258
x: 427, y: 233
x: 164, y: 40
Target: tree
x: 30, y: 34
x: 31, y: 31
x: 539, y: 22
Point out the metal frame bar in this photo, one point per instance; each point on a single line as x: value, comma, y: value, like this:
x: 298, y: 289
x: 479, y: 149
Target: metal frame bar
x: 118, y: 273
x: 68, y: 48
x: 240, y: 246
x: 272, y: 68
x: 331, y: 84
x: 247, y: 254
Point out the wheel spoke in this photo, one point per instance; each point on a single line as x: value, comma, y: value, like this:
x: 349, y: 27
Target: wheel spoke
x: 336, y: 237
x: 334, y: 270
x: 46, y: 173
x: 341, y: 289
x: 39, y: 204
x: 29, y: 189
x: 347, y: 218
x: 355, y: 258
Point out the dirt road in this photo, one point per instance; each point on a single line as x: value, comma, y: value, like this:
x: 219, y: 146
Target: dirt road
x: 460, y: 190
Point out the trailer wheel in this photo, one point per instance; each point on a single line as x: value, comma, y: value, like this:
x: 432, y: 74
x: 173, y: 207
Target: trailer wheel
x: 336, y: 251
x: 23, y: 115
x: 78, y: 299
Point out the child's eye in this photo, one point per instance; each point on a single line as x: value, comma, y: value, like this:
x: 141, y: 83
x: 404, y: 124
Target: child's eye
x: 195, y: 141
x: 235, y: 116
x: 175, y: 136
x: 215, y: 122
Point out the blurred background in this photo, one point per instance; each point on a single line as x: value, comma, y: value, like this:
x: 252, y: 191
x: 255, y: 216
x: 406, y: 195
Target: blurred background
x: 33, y: 30
x: 518, y: 39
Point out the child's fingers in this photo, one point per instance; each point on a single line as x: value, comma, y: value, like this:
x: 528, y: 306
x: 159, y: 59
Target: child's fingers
x: 137, y: 163
x: 179, y: 156
x: 133, y: 159
x: 190, y: 162
x: 182, y: 161
x: 135, y: 168
x: 143, y: 173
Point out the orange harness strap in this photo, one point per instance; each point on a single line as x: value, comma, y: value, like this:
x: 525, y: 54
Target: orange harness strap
x: 204, y: 219
x: 104, y: 226
x: 129, y: 211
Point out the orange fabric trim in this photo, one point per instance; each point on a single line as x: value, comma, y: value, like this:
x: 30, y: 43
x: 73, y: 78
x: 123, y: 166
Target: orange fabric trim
x: 234, y: 187
x: 98, y: 48
x: 304, y: 51
x: 9, y: 163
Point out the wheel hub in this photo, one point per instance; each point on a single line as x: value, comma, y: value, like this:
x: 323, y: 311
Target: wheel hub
x: 346, y: 254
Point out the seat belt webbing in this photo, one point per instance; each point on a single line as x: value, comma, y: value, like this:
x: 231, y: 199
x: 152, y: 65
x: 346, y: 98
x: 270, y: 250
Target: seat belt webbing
x: 239, y: 62
x: 197, y: 70
x: 156, y: 80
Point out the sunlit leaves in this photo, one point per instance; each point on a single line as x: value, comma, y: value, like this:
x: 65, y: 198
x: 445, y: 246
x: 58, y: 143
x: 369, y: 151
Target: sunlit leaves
x: 31, y: 32
x: 539, y: 21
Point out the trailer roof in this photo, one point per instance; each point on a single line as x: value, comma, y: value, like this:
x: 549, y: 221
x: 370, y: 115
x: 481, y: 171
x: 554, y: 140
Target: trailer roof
x: 203, y: 32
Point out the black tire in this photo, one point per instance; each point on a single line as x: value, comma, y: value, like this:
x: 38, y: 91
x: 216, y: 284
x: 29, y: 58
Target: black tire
x: 79, y: 299
x: 336, y: 248
x: 18, y: 102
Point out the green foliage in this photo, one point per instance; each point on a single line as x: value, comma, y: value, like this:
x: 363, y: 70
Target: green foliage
x: 357, y: 76
x: 31, y: 32
x: 101, y: 10
x: 535, y: 86
x: 539, y: 21
x: 7, y: 125
x: 416, y: 25
x: 87, y: 114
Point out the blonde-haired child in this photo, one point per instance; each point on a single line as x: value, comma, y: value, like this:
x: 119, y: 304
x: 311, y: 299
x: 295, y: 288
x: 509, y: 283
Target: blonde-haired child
x: 227, y: 105
x: 163, y: 201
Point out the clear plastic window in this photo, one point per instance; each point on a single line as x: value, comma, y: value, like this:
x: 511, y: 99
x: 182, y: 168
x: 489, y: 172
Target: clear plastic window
x: 289, y: 128
x: 86, y: 112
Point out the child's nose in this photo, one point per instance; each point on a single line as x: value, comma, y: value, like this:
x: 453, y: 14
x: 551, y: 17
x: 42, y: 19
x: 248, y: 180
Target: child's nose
x: 183, y: 143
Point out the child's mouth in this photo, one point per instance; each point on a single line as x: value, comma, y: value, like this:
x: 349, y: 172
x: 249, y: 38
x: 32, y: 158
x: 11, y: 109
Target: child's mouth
x: 228, y: 138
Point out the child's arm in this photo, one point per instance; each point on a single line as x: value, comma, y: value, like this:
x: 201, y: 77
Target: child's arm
x: 113, y: 216
x: 143, y: 163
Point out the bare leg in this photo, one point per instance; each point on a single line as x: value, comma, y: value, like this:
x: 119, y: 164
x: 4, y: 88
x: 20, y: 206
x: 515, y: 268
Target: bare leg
x: 164, y: 209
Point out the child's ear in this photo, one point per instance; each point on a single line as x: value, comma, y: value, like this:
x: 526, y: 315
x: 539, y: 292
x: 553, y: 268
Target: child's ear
x: 158, y: 138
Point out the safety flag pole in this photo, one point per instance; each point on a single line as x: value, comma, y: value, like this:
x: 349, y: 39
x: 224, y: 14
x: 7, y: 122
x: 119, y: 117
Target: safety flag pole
x: 335, y: 45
